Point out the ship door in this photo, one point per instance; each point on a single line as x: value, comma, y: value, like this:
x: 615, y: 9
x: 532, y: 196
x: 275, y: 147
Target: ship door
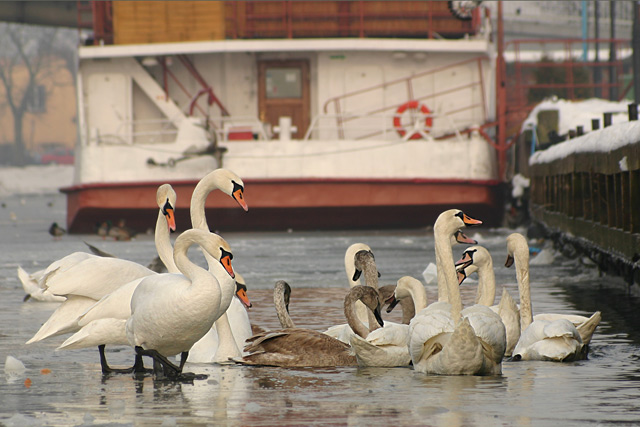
x: 283, y: 90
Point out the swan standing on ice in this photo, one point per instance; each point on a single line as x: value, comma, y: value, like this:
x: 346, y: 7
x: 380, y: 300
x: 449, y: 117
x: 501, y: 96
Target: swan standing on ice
x: 227, y: 338
x: 103, y: 323
x: 83, y: 279
x: 171, y: 312
x: 298, y: 347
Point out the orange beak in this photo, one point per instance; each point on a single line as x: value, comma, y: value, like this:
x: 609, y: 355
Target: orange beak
x: 242, y: 296
x: 465, y: 261
x: 461, y: 277
x: 226, y: 263
x: 171, y: 219
x: 470, y: 221
x: 239, y: 196
x: 462, y: 238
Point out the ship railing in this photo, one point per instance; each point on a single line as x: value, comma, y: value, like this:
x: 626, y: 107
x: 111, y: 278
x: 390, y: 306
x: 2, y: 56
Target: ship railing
x: 361, y: 126
x: 472, y: 89
x: 143, y: 131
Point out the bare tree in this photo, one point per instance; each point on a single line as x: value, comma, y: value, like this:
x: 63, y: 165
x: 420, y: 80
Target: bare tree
x: 27, y: 61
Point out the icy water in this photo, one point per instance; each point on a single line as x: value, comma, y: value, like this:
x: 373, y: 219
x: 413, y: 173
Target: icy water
x: 67, y: 388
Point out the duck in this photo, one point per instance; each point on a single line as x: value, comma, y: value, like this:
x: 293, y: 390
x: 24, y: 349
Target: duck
x: 83, y: 279
x: 56, y: 231
x: 171, y: 312
x: 478, y: 259
x: 550, y: 337
x: 300, y: 347
x: 445, y: 339
x: 121, y: 231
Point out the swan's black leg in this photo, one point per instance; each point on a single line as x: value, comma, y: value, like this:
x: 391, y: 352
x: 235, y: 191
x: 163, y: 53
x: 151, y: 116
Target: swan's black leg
x: 183, y: 359
x: 164, y: 369
x: 106, y: 369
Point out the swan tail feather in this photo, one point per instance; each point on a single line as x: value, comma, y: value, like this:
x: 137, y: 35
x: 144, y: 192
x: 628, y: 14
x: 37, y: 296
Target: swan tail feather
x: 587, y: 328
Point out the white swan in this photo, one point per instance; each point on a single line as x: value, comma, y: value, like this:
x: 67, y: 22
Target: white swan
x: 171, y: 312
x: 443, y: 338
x: 299, y: 347
x: 478, y: 259
x: 544, y: 339
x: 85, y: 282
x: 117, y: 305
x: 225, y: 338
x: 231, y: 335
x: 354, y: 272
x: 458, y: 238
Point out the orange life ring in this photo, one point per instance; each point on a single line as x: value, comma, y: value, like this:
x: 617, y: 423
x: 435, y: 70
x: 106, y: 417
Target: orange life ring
x: 414, y: 105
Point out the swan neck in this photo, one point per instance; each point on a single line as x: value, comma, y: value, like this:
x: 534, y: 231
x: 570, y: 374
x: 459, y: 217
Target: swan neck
x: 522, y: 276
x: 444, y: 254
x: 182, y: 261
x: 443, y: 294
x: 162, y: 240
x: 371, y: 279
x: 486, y: 285
x: 281, y: 310
x: 226, y: 342
x: 419, y: 295
x: 198, y: 199
x: 352, y: 319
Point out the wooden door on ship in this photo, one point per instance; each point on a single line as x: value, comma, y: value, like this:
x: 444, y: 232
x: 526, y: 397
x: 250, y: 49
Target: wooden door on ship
x: 283, y: 91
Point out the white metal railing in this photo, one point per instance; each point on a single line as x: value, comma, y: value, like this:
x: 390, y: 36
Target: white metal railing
x: 147, y: 131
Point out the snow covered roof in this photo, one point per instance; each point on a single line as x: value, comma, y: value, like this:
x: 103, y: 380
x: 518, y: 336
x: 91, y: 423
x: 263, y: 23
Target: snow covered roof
x: 578, y: 113
x: 602, y: 140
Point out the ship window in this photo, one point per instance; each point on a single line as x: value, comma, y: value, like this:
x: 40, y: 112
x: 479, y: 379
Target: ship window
x: 284, y: 83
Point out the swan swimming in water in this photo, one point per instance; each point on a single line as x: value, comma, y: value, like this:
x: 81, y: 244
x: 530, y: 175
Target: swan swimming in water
x: 299, y: 347
x: 549, y: 337
x: 358, y: 259
x: 444, y: 338
x: 478, y: 259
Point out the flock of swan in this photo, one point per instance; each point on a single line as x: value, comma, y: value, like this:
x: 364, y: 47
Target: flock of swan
x: 199, y: 315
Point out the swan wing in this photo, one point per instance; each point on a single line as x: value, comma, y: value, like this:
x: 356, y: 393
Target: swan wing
x: 342, y: 332
x: 558, y: 341
x: 98, y: 332
x: 510, y: 314
x: 369, y: 354
x: 489, y: 328
x: 94, y: 277
x: 422, y: 330
x: 587, y: 328
x: 297, y: 347
x: 64, y: 319
x: 32, y: 287
x: 116, y: 305
x: 392, y: 334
